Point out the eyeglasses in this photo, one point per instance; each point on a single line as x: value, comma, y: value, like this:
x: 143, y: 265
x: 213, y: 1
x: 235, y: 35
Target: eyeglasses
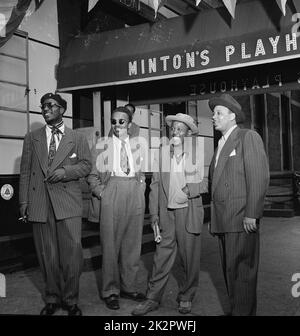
x: 121, y: 121
x: 177, y: 129
x: 48, y: 105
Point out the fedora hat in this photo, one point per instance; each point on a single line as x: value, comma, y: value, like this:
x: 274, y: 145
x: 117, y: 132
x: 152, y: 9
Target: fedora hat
x: 229, y: 102
x: 184, y: 118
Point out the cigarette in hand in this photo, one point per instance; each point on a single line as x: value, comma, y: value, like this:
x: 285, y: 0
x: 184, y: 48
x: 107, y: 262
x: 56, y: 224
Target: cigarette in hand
x: 156, y: 231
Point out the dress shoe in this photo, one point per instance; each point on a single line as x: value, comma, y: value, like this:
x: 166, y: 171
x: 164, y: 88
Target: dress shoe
x: 73, y: 310
x: 50, y: 309
x: 135, y: 296
x: 145, y: 307
x: 112, y: 302
x: 185, y: 307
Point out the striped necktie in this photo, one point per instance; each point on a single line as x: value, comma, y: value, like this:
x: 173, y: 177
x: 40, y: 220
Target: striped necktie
x: 124, y: 162
x: 52, y: 146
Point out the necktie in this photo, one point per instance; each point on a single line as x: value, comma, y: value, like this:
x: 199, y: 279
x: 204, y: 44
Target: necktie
x: 220, y: 146
x: 52, y: 146
x: 124, y: 163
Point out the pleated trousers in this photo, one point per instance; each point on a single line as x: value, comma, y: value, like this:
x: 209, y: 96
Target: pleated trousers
x: 175, y: 238
x: 239, y: 254
x: 121, y: 229
x: 59, y: 251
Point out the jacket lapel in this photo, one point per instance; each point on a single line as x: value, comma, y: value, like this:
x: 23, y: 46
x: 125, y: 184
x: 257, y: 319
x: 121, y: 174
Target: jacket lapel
x: 228, y: 147
x: 40, y: 144
x: 65, y: 145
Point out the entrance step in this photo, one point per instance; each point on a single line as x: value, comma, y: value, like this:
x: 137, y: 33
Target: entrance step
x: 279, y: 213
x: 20, y: 253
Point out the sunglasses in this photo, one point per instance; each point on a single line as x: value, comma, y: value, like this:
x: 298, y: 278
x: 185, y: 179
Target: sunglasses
x: 48, y: 105
x: 121, y: 121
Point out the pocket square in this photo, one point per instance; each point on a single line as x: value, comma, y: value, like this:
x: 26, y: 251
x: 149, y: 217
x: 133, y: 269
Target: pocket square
x: 73, y: 156
x: 233, y: 153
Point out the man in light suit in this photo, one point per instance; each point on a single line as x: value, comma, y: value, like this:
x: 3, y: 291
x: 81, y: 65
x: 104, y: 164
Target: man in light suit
x: 175, y: 204
x: 239, y: 176
x: 118, y: 181
x: 54, y: 158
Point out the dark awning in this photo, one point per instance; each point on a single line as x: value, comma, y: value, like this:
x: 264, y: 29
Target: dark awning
x: 187, y: 45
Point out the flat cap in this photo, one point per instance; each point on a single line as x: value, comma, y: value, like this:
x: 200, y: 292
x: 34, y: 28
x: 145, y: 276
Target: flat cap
x: 60, y: 101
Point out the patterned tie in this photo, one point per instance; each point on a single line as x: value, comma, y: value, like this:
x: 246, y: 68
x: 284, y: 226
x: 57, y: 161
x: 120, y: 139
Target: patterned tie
x: 124, y: 163
x: 52, y: 147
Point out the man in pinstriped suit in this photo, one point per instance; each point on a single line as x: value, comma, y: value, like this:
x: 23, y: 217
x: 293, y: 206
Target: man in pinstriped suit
x: 54, y: 158
x: 239, y: 176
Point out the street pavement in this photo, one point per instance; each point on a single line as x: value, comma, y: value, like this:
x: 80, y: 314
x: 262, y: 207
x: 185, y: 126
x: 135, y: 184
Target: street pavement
x: 279, y: 262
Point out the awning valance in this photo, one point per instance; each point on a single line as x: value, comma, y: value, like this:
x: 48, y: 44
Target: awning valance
x: 187, y: 45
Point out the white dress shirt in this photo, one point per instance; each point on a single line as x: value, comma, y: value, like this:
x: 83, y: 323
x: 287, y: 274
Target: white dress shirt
x: 177, y: 198
x: 57, y: 137
x: 117, y: 171
x: 222, y: 142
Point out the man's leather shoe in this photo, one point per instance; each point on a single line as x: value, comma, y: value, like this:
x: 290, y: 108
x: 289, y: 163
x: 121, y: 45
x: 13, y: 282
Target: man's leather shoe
x: 73, y: 310
x: 112, y: 302
x: 145, y: 307
x: 185, y: 307
x: 135, y: 296
x: 50, y: 309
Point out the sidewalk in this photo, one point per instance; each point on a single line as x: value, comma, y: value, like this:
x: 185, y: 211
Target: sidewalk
x: 280, y: 253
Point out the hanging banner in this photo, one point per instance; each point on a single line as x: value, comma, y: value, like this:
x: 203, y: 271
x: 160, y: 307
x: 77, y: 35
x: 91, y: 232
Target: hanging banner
x: 230, y: 5
x: 282, y: 4
x: 155, y: 4
x: 92, y: 4
x: 12, y: 13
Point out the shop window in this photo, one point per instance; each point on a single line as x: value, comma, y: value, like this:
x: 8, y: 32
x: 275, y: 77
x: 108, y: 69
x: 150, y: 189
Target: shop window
x: 285, y: 132
x: 83, y: 109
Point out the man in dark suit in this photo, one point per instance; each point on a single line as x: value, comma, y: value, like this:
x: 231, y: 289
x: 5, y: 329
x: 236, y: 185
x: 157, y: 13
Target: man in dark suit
x: 54, y: 158
x: 239, y: 176
x: 118, y: 181
x: 175, y: 204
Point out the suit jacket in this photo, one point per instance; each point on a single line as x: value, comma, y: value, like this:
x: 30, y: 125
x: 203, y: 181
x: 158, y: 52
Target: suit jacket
x: 73, y: 154
x: 239, y: 182
x: 102, y: 159
x: 159, y: 189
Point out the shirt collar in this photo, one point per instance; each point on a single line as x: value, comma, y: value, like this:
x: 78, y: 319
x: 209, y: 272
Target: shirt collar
x: 119, y: 140
x: 61, y: 128
x: 226, y: 136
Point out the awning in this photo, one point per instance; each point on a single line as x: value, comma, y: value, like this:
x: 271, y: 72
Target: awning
x: 187, y: 45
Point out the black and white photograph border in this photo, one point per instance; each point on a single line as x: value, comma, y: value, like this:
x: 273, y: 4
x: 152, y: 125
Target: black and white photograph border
x: 165, y: 58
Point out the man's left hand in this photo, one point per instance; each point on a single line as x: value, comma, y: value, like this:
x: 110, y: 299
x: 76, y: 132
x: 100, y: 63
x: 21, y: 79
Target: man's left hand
x: 250, y: 224
x: 185, y: 189
x: 56, y: 176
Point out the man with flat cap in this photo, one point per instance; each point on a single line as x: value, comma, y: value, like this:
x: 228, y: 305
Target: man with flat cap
x: 54, y: 158
x: 118, y: 181
x: 175, y: 205
x: 239, y: 179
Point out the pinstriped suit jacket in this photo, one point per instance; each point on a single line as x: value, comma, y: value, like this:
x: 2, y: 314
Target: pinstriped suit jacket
x: 239, y: 182
x: 65, y: 196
